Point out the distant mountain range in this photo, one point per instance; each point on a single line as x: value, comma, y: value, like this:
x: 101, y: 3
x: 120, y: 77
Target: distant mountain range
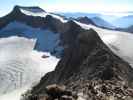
x: 97, y: 21
x: 89, y: 15
x: 115, y: 21
x: 102, y: 23
x: 85, y: 20
x: 123, y: 22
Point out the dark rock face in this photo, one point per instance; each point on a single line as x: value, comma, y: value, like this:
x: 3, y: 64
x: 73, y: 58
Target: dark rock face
x: 87, y: 59
x: 70, y: 32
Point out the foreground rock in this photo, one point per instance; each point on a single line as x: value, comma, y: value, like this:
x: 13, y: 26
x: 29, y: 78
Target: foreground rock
x: 53, y: 92
x: 91, y: 70
x: 88, y: 90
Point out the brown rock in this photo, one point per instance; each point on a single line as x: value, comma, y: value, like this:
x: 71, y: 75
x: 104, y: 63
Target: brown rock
x: 55, y: 90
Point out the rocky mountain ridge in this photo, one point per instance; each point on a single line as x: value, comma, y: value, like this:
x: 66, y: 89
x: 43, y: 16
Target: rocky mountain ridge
x: 87, y: 60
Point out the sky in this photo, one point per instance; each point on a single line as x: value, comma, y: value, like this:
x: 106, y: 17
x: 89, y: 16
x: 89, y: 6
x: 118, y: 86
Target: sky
x: 70, y: 5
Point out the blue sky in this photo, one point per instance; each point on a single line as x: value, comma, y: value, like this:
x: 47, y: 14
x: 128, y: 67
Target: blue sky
x: 71, y: 5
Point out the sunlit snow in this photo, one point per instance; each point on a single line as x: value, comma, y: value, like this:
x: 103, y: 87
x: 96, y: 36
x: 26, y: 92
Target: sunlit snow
x: 14, y: 95
x: 21, y: 66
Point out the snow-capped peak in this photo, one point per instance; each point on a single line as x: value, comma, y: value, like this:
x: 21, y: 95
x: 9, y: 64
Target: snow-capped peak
x: 31, y: 9
x: 37, y: 11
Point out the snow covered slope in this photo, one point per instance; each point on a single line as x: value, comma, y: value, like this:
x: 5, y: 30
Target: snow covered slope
x: 20, y: 65
x: 119, y: 42
x: 14, y: 95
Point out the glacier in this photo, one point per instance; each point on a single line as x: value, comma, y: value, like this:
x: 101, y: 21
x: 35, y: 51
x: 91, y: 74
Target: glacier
x: 21, y: 66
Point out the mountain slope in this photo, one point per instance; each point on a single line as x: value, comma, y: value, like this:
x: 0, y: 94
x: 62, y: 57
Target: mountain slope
x: 82, y: 49
x: 115, y: 39
x: 88, y: 59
